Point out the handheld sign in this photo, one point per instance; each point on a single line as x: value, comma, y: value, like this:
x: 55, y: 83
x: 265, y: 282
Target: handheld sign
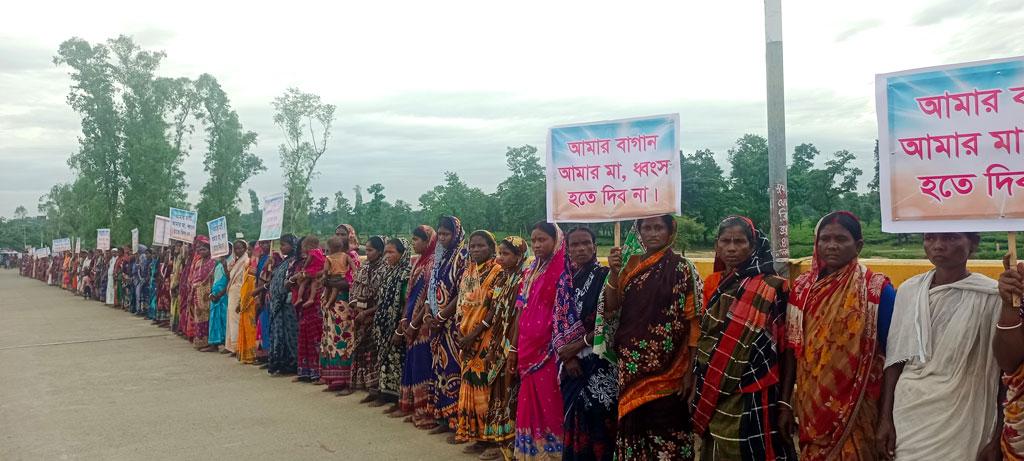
x: 183, y: 225
x: 103, y: 239
x: 614, y: 170
x: 950, y: 147
x: 161, y: 231
x: 218, y: 237
x: 273, y: 217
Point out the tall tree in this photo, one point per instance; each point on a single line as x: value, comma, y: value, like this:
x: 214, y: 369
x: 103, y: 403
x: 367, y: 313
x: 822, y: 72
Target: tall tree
x: 836, y: 179
x: 228, y: 158
x: 749, y: 177
x: 306, y: 123
x: 20, y: 213
x: 342, y: 209
x: 800, y: 182
x: 99, y: 160
x: 154, y: 179
x: 521, y: 196
x: 456, y: 198
x: 704, y: 190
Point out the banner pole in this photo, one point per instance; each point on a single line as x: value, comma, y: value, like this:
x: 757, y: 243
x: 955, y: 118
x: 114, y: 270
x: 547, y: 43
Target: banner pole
x: 618, y: 233
x: 1011, y: 239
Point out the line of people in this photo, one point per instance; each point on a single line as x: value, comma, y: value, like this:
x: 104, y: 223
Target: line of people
x: 564, y: 358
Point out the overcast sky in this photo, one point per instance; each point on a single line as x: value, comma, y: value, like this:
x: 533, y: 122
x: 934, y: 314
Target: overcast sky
x: 425, y: 87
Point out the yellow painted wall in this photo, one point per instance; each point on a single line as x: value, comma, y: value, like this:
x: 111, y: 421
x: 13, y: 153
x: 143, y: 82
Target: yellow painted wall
x: 899, y: 270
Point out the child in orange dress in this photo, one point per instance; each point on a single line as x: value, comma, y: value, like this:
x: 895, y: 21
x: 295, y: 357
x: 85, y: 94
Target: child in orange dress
x: 337, y: 269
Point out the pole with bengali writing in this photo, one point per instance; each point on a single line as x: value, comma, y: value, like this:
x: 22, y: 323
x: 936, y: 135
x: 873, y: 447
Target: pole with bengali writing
x: 1011, y: 239
x: 779, y: 207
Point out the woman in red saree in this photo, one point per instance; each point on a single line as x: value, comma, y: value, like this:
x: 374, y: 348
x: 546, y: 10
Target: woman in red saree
x: 539, y: 405
x: 200, y: 281
x: 307, y: 296
x: 837, y: 323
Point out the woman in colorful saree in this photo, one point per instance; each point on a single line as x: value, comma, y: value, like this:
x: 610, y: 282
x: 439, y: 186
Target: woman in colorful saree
x: 837, y: 324
x: 283, y: 322
x: 500, y: 373
x: 163, y: 290
x: 338, y: 341
x: 743, y: 329
x: 588, y: 381
x: 185, y: 290
x: 539, y: 404
x: 417, y: 372
x: 201, y: 279
x: 236, y: 277
x: 450, y: 258
x: 1009, y: 352
x: 390, y: 301
x: 473, y: 318
x: 654, y: 294
x: 218, y: 306
x: 306, y: 296
x: 363, y: 305
x: 250, y: 301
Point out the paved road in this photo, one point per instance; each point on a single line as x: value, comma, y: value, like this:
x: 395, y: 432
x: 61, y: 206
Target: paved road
x: 79, y: 380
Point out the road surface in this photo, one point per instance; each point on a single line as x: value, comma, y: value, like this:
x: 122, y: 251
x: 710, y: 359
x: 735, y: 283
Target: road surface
x: 79, y: 380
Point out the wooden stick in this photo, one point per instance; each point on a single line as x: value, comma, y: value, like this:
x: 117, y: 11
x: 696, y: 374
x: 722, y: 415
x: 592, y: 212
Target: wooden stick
x: 618, y: 233
x: 1011, y: 239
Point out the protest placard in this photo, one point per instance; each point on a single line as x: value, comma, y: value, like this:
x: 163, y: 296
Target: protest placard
x: 183, y: 225
x: 161, y: 231
x: 103, y: 239
x: 273, y: 217
x: 218, y: 237
x: 950, y: 157
x: 613, y: 170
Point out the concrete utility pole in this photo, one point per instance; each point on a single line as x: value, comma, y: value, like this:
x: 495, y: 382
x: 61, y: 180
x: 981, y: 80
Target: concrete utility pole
x: 776, y: 135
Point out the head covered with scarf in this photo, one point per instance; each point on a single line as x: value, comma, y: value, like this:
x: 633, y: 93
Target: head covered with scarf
x: 449, y: 264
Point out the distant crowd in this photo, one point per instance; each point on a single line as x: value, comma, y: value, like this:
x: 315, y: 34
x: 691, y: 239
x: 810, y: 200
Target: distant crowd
x: 561, y: 357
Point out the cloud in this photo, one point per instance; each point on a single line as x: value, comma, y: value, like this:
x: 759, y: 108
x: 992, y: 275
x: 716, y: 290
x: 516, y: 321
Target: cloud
x: 19, y: 56
x: 941, y: 11
x: 856, y: 28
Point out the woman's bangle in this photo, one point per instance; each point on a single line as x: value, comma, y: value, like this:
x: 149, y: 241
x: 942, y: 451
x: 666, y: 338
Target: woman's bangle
x: 485, y: 324
x: 785, y: 404
x: 441, y: 318
x: 609, y: 285
x: 399, y: 333
x: 513, y: 349
x: 414, y: 327
x: 585, y: 343
x: 1011, y: 327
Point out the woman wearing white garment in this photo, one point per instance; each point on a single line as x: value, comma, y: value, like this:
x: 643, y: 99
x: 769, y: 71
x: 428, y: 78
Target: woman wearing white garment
x: 940, y: 393
x: 236, y: 274
x: 111, y: 282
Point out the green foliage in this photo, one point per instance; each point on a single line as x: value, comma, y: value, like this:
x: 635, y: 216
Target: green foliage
x: 228, y: 158
x: 749, y: 177
x: 134, y: 126
x: 687, y: 230
x: 705, y: 191
x: 520, y: 197
x: 306, y: 123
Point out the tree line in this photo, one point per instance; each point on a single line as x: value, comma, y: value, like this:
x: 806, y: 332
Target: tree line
x: 136, y: 125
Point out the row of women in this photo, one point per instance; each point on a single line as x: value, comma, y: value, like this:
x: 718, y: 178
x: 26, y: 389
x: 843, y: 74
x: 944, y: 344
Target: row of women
x: 642, y: 359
